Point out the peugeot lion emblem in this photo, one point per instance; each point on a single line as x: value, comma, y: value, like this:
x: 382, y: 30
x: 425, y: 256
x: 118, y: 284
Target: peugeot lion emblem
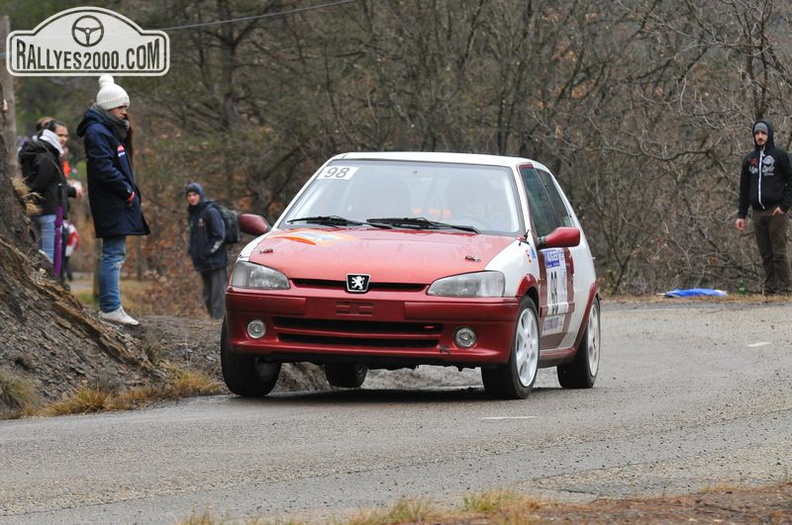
x: 357, y: 282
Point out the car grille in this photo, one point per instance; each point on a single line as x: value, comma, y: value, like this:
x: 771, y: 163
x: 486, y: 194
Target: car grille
x: 341, y: 285
x: 358, y: 333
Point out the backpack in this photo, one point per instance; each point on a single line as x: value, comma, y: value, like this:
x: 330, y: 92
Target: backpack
x: 231, y: 221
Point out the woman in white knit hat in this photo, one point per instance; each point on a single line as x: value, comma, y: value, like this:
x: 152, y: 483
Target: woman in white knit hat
x: 112, y: 191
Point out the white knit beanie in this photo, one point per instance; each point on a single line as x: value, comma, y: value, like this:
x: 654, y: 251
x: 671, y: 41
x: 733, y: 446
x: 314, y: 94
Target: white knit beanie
x: 110, y: 95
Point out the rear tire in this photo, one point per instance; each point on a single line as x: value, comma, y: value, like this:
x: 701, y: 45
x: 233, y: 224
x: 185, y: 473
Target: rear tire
x: 515, y: 379
x: 345, y: 375
x: 582, y: 372
x: 246, y: 375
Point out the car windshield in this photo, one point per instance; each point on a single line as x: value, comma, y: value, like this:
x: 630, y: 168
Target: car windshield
x: 410, y: 195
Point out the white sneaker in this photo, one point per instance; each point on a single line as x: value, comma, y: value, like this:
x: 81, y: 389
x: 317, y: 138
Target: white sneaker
x: 119, y: 317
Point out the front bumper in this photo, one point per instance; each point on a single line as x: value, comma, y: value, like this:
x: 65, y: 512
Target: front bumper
x: 380, y: 329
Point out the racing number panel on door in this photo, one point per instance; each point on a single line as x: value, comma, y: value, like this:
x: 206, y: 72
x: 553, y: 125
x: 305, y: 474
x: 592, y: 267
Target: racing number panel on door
x: 556, y: 267
x: 557, y: 296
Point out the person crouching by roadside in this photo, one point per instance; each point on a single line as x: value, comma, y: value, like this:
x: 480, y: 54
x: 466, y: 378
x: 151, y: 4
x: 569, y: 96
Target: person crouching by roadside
x: 207, y: 248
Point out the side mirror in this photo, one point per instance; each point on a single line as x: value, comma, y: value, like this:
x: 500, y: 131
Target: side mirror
x: 254, y: 225
x: 563, y: 237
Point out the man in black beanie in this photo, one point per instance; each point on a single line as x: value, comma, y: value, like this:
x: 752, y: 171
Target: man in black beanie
x: 766, y: 186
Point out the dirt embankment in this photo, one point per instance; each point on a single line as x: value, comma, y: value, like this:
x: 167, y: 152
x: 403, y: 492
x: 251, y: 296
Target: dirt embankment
x: 51, y: 344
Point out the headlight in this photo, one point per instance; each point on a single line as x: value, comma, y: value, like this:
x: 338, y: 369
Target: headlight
x: 481, y: 284
x: 249, y: 275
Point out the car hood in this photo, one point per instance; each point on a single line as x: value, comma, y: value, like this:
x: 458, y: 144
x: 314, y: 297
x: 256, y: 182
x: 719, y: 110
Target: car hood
x: 386, y: 255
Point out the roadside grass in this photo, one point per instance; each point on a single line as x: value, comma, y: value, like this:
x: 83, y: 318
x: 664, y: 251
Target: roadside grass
x: 177, y: 383
x: 18, y: 394
x: 502, y: 507
x: 506, y: 500
x: 404, y: 510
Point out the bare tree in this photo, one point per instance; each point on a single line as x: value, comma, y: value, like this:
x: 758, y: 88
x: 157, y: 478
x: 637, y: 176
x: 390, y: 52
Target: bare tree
x: 641, y: 108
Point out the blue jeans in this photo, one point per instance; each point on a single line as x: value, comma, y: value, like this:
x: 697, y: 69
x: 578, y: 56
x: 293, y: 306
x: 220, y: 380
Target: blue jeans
x: 47, y: 240
x: 113, y: 256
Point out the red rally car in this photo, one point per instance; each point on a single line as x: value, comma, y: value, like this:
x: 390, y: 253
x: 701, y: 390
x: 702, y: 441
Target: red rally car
x: 402, y: 259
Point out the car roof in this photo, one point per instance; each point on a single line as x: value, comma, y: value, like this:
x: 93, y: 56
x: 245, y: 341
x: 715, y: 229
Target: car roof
x: 435, y: 156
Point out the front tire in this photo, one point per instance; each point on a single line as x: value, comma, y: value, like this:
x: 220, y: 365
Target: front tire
x: 582, y: 372
x: 515, y: 379
x: 246, y: 375
x: 345, y: 375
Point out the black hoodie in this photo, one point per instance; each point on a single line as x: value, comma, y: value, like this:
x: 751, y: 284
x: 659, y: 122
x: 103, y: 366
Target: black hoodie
x: 766, y: 177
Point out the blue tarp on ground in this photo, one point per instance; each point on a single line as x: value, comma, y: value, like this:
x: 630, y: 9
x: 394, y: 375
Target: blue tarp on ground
x: 696, y: 292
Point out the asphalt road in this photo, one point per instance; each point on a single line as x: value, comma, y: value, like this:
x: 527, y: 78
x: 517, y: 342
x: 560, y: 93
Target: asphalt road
x: 689, y: 397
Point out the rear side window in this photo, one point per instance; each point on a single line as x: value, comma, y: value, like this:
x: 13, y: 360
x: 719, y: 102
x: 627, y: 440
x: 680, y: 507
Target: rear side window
x: 548, y: 211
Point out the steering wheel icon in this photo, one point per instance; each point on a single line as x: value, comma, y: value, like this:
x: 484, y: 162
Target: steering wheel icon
x: 87, y: 31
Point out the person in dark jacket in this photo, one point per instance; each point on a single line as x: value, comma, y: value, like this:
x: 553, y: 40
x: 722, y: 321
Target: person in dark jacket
x: 766, y: 187
x: 42, y: 167
x: 207, y: 248
x: 113, y: 194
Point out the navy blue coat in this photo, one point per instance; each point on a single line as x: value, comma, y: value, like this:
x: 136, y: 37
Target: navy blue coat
x: 111, y: 180
x: 207, y: 231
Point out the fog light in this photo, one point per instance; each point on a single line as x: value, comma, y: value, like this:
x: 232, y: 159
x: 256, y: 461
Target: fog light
x: 465, y: 337
x: 256, y: 329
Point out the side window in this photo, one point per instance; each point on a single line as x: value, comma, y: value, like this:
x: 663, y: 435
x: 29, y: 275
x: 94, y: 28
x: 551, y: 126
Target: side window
x: 555, y: 198
x: 543, y: 212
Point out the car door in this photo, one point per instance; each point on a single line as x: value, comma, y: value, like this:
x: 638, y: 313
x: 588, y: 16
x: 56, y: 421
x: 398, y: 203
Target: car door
x: 556, y: 265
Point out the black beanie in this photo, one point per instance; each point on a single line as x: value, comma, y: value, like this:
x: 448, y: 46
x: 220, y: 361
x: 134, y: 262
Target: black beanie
x: 194, y: 187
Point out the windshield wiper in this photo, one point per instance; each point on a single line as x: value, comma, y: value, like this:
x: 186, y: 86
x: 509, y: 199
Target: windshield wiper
x: 335, y: 220
x: 420, y: 223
